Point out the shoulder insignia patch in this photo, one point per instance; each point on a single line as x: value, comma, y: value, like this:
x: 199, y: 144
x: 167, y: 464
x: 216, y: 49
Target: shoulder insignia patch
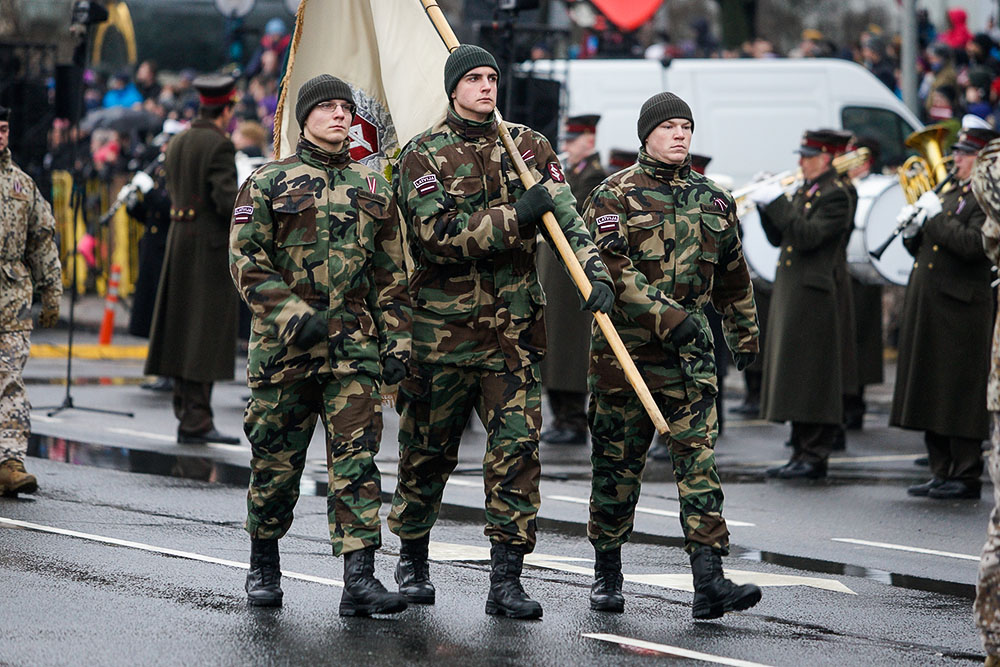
x: 607, y: 223
x: 242, y: 214
x: 426, y: 184
x: 555, y: 171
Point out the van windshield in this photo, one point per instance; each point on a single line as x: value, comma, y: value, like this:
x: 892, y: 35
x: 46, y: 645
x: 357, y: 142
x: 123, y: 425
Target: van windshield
x: 884, y: 126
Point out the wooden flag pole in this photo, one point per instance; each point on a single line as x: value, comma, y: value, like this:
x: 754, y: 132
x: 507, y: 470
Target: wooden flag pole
x: 562, y: 245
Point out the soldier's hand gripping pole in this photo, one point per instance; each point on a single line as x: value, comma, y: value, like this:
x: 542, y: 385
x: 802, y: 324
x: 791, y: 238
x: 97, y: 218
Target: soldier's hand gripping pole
x: 559, y: 239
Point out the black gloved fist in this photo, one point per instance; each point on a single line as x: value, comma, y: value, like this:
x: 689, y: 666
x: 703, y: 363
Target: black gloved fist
x: 393, y: 371
x: 685, y: 332
x: 744, y: 359
x: 602, y: 298
x: 313, y: 331
x: 530, y: 208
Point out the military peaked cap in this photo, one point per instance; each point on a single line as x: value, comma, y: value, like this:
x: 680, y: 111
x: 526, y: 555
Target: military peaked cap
x: 973, y: 139
x: 215, y: 89
x: 815, y: 142
x: 577, y: 125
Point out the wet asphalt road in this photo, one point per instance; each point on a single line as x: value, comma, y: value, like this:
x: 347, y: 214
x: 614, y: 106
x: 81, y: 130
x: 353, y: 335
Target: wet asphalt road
x: 853, y: 570
x: 70, y: 599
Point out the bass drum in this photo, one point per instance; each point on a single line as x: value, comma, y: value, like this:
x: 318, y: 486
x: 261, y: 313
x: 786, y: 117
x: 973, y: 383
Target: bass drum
x: 880, y: 199
x: 761, y: 256
x: 883, y: 201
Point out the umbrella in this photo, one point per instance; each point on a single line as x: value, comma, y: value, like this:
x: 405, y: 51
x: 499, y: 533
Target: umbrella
x: 122, y: 119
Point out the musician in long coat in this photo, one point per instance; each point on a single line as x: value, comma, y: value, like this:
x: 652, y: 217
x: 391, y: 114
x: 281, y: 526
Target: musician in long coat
x: 810, y: 356
x: 945, y: 334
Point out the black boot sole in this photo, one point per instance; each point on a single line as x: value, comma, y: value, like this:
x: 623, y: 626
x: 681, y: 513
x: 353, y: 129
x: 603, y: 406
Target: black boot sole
x: 264, y: 600
x: 387, y: 607
x: 493, y: 609
x: 707, y: 612
x: 613, y: 606
x: 418, y: 598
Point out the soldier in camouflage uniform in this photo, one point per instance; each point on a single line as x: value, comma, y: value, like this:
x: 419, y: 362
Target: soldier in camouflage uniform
x: 478, y: 332
x: 29, y: 260
x: 669, y: 237
x: 316, y: 252
x: 986, y: 609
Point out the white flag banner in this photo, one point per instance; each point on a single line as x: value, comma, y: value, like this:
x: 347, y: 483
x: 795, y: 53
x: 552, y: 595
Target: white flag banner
x: 393, y: 59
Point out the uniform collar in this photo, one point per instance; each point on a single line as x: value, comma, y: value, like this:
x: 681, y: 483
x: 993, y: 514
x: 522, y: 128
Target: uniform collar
x: 824, y: 178
x: 5, y: 160
x: 662, y: 171
x: 208, y: 125
x: 471, y: 129
x: 315, y: 156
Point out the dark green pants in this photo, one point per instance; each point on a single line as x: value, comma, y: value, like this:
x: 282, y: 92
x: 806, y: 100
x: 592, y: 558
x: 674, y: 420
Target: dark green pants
x: 279, y: 423
x: 621, y: 432
x: 435, y: 404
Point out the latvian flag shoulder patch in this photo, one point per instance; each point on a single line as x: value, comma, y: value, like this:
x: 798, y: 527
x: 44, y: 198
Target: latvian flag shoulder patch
x: 242, y: 214
x: 426, y: 184
x: 608, y: 223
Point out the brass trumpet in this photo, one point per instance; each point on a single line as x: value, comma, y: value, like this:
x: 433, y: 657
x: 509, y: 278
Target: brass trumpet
x: 842, y: 163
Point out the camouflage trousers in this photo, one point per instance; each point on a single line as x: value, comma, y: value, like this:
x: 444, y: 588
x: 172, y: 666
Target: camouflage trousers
x: 279, y: 423
x: 435, y: 404
x: 987, y: 606
x: 15, y: 422
x: 621, y: 432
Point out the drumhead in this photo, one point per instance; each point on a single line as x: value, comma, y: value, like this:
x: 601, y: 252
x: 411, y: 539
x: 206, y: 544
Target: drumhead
x: 761, y: 256
x: 886, y: 201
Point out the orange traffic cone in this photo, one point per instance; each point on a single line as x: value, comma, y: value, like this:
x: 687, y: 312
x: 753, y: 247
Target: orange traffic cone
x: 108, y: 323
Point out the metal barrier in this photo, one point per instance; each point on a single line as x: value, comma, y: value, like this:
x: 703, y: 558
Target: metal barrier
x: 116, y: 243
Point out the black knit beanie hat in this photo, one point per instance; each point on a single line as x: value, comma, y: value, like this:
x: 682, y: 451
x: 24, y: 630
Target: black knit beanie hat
x: 461, y: 60
x: 320, y: 89
x: 658, y: 108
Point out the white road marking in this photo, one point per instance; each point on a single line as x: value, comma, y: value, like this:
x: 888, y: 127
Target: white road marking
x: 643, y: 510
x: 160, y: 550
x: 900, y: 547
x: 444, y: 551
x: 144, y: 434
x: 669, y: 650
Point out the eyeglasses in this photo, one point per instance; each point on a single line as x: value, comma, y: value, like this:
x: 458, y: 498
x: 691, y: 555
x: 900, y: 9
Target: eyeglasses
x: 330, y: 107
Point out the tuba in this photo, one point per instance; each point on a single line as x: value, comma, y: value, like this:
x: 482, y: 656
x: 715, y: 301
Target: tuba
x: 921, y: 173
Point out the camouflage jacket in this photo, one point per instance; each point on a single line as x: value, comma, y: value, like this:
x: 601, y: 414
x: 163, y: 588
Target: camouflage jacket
x: 476, y: 297
x: 669, y: 237
x: 29, y: 257
x: 318, y: 234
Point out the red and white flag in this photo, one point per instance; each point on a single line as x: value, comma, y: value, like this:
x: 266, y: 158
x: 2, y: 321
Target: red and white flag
x: 393, y: 59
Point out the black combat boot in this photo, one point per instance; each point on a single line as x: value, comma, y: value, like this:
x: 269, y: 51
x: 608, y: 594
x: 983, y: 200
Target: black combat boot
x: 606, y: 591
x: 714, y: 595
x: 264, y: 579
x: 506, y: 597
x: 365, y: 595
x: 412, y: 573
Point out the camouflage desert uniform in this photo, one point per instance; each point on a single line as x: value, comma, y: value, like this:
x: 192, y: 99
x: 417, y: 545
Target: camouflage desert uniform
x: 478, y: 332
x: 29, y: 260
x: 669, y: 237
x: 987, y: 606
x: 317, y: 234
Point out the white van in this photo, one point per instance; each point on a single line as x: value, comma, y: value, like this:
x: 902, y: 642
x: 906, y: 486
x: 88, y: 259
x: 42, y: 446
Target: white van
x: 749, y: 113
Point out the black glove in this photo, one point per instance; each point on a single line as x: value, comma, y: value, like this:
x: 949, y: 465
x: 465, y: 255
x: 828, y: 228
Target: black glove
x: 685, y: 332
x: 744, y: 359
x: 530, y: 208
x: 393, y: 370
x: 912, y: 236
x: 313, y: 331
x: 602, y: 298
